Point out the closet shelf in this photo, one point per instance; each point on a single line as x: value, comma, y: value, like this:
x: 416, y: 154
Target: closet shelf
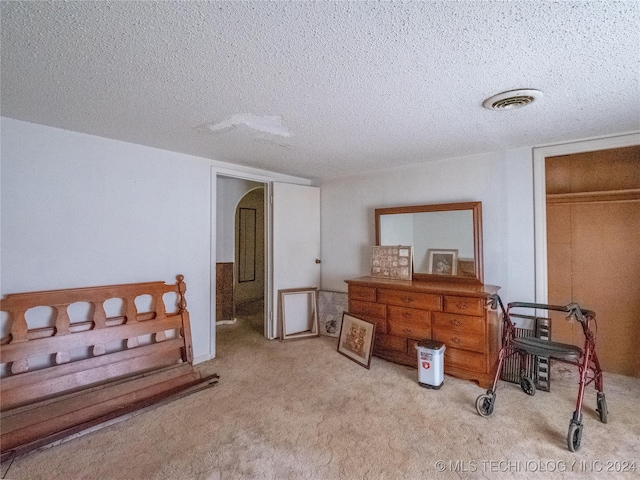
x: 629, y: 195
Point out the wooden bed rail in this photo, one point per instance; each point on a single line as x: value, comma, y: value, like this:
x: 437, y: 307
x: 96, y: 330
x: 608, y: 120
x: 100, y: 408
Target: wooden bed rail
x: 129, y: 358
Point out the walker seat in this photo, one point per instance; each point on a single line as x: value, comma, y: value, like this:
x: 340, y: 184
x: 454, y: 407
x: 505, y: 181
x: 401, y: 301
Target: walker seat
x: 545, y: 348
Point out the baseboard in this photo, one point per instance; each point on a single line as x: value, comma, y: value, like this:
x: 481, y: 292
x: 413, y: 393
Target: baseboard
x: 227, y: 322
x: 202, y: 358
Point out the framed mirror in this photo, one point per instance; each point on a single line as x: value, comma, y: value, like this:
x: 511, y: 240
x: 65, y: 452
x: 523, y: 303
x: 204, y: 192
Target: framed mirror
x: 446, y: 239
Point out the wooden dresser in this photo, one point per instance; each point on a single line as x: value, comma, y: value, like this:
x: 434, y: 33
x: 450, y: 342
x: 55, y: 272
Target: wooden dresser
x: 406, y: 312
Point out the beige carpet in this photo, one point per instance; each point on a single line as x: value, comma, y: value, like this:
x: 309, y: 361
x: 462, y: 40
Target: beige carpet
x: 300, y: 410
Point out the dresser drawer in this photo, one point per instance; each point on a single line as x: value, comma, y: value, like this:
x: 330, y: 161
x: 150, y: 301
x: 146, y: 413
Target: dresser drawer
x: 476, y: 362
x: 460, y: 340
x: 458, y: 323
x: 427, y: 301
x: 415, y: 330
x: 464, y: 305
x: 390, y: 343
x: 367, y: 294
x: 408, y: 315
x: 368, y: 309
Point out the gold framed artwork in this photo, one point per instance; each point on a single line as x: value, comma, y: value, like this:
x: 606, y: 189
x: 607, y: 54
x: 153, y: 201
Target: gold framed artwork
x: 392, y: 261
x: 442, y: 261
x: 356, y: 339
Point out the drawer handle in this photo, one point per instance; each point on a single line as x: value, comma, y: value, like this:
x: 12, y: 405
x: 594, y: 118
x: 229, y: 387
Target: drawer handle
x: 406, y: 331
x: 407, y: 300
x: 407, y: 315
x: 462, y: 306
x: 456, y: 340
x: 456, y: 323
x: 366, y: 310
x: 362, y: 294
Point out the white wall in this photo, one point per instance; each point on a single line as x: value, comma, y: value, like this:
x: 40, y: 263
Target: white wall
x: 502, y: 181
x: 80, y: 210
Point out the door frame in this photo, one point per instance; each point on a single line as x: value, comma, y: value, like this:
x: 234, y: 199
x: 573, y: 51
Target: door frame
x: 266, y: 178
x: 540, y: 155
x: 266, y: 182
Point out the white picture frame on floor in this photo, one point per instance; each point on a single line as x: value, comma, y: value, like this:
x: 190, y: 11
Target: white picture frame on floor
x: 298, y: 313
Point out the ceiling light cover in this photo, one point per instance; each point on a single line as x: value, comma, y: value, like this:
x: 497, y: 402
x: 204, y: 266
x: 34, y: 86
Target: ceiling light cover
x: 512, y: 99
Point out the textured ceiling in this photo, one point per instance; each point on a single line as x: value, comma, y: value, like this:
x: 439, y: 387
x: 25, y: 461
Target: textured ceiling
x: 318, y: 89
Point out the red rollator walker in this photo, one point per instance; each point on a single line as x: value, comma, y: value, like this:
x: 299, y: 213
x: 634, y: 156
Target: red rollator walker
x: 585, y: 359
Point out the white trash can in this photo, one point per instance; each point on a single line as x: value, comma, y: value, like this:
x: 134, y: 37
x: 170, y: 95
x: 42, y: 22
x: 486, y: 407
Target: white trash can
x: 430, y: 363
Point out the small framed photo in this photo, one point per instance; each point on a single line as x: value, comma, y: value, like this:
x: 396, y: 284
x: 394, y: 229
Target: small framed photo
x: 443, y: 261
x: 466, y: 267
x: 356, y: 339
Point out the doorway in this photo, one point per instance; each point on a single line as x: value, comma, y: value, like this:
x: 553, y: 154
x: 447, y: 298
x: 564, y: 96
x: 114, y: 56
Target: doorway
x: 291, y: 251
x: 240, y: 249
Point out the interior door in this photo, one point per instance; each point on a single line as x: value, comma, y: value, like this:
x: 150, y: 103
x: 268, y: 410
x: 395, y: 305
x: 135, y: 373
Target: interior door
x: 296, y: 241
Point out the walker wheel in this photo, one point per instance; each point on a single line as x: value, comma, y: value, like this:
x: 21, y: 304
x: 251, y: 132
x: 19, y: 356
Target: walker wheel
x: 527, y: 385
x: 602, y: 408
x: 574, y: 436
x: 485, y: 403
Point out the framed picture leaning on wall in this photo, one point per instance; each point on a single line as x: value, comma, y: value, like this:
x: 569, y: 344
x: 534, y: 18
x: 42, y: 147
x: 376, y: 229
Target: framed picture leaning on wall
x: 356, y: 339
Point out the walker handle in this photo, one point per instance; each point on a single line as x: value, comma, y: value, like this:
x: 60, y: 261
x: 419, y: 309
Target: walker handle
x: 573, y: 309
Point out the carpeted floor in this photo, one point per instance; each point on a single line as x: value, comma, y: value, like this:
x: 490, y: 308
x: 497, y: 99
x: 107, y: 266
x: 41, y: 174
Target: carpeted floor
x: 300, y: 410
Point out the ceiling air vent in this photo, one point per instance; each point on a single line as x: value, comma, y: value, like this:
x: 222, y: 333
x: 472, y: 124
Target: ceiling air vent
x: 511, y: 99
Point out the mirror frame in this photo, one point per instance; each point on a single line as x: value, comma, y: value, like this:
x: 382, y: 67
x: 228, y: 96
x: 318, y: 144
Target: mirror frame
x: 476, y: 209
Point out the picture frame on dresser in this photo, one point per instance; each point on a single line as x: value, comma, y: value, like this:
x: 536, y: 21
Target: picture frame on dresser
x: 465, y: 267
x: 443, y: 261
x: 356, y: 339
x: 392, y: 261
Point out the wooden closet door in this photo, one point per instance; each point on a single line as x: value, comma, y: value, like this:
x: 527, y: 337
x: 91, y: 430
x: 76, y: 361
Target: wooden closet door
x: 593, y: 232
x: 606, y: 273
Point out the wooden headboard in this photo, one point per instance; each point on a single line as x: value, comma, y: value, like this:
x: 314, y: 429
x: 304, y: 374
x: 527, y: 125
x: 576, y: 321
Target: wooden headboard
x: 63, y: 375
x: 114, y: 345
